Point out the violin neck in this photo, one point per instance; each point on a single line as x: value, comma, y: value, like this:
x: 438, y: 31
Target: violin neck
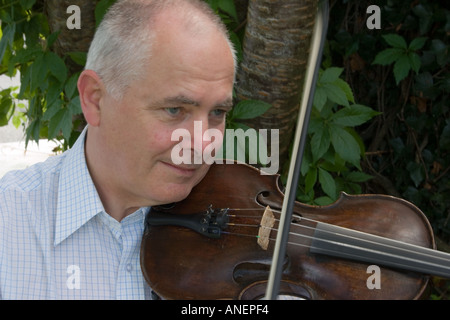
x: 346, y: 243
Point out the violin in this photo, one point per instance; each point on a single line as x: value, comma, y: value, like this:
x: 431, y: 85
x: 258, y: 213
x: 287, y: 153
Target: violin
x: 237, y: 236
x: 206, y: 246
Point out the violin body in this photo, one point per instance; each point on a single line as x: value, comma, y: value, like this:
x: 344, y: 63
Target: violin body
x: 179, y: 263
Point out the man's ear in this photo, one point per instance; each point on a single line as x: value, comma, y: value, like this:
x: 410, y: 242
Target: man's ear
x: 91, y: 90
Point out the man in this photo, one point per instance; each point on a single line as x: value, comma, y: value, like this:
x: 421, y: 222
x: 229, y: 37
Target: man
x: 70, y: 228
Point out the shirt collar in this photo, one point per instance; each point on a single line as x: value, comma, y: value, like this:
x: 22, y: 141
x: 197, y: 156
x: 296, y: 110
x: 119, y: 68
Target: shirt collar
x: 78, y: 200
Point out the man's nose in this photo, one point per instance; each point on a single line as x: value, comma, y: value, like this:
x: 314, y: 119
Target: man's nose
x: 200, y: 134
x: 203, y: 137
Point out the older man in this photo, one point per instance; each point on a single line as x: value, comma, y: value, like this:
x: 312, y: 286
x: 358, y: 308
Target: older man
x: 71, y: 227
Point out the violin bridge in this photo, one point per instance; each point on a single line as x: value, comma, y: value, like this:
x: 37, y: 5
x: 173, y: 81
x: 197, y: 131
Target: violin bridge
x: 266, y: 225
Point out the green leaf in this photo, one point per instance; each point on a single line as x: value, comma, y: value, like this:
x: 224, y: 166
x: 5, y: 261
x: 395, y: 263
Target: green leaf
x: 306, y: 161
x: 417, y: 43
x: 310, y: 179
x: 18, y: 119
x: 426, y: 17
x: 27, y: 4
x: 388, y: 56
x: 327, y: 183
x: 214, y: 4
x: 440, y: 49
x: 401, y: 68
x: 346, y: 88
x: 25, y: 79
x: 316, y: 123
x: 395, y: 41
x: 39, y: 72
x: 7, y: 38
x: 320, y: 143
x: 360, y: 142
x: 333, y: 166
x: 335, y: 94
x: 320, y: 98
x: 344, y: 144
x: 75, y: 106
x: 71, y: 85
x: 5, y: 108
x: 229, y: 7
x: 32, y: 131
x: 52, y: 38
x: 101, y: 9
x: 23, y: 56
x: 56, y: 65
x: 52, y: 109
x: 249, y: 109
x: 353, y: 115
x: 357, y: 176
x: 415, y: 172
x: 54, y: 90
x: 330, y: 75
x: 78, y: 57
x: 61, y: 121
x: 414, y: 61
x: 323, y: 201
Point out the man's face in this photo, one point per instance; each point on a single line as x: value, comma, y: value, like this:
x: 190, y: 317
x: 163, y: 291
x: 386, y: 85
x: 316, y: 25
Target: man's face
x: 186, y: 80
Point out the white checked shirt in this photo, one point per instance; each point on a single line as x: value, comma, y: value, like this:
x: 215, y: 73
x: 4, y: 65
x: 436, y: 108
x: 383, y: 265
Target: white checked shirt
x: 57, y: 241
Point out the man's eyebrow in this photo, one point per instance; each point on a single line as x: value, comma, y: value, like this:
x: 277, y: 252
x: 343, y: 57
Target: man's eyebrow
x: 229, y: 103
x: 176, y: 100
x: 183, y: 100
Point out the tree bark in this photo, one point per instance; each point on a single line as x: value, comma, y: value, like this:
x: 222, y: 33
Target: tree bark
x: 75, y: 40
x: 276, y: 48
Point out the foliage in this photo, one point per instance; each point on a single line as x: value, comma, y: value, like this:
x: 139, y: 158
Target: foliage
x: 249, y: 145
x: 403, y: 56
x: 226, y: 9
x: 333, y: 151
x: 26, y: 47
x: 407, y: 79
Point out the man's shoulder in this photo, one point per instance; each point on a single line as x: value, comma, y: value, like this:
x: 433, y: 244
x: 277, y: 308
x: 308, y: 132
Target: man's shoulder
x: 29, y: 192
x: 33, y: 177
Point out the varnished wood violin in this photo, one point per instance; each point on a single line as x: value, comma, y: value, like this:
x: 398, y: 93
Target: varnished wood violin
x: 206, y: 246
x: 237, y: 236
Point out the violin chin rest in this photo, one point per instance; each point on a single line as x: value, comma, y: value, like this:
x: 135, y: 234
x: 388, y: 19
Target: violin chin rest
x: 288, y: 291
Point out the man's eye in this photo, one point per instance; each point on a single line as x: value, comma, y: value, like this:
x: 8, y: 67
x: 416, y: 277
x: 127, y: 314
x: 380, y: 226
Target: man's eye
x: 218, y: 112
x: 173, y: 111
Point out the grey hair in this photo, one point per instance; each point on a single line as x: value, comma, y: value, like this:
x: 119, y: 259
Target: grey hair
x: 122, y: 43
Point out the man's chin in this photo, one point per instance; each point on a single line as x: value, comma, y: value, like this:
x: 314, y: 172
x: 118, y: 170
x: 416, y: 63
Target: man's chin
x: 181, y: 186
x: 173, y: 196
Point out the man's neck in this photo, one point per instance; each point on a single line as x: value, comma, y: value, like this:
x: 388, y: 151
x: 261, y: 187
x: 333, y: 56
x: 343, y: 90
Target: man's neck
x: 114, y: 202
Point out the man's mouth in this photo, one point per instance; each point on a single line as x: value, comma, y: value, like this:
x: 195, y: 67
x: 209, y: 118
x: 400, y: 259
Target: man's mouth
x: 183, y: 169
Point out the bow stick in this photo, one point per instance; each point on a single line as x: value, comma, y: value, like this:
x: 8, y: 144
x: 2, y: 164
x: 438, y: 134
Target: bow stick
x: 314, y: 61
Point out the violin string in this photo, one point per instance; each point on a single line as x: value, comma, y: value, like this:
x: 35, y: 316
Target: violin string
x: 243, y: 225
x: 426, y: 254
x: 348, y: 255
x: 442, y: 258
x: 422, y: 255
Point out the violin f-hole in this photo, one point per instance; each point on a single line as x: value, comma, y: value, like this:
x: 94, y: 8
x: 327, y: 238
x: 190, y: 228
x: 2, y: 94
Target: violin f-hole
x: 251, y: 271
x: 288, y: 291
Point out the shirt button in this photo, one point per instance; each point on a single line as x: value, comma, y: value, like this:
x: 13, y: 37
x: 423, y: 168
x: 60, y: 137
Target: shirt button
x: 129, y: 267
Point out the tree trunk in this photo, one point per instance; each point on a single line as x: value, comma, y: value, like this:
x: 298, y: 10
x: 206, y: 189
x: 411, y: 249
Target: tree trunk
x: 75, y: 40
x: 276, y: 48
x: 71, y: 40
